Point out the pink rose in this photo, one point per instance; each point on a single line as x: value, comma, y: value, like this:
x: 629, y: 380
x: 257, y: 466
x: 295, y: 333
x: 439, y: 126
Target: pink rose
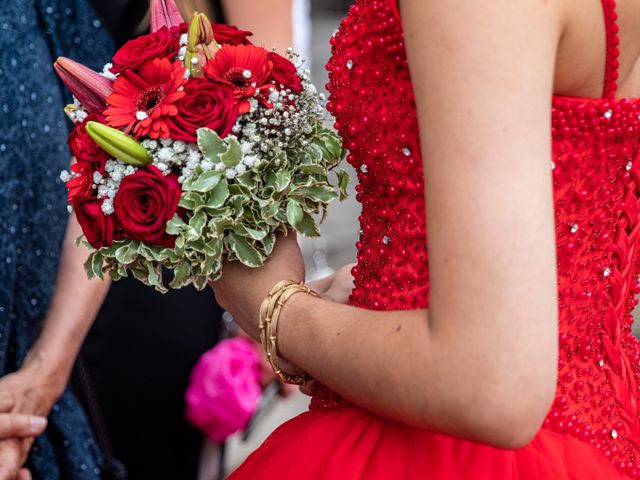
x: 225, y: 390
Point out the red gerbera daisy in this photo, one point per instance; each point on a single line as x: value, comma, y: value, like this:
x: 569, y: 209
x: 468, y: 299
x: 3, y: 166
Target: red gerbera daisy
x: 144, y: 98
x: 246, y: 67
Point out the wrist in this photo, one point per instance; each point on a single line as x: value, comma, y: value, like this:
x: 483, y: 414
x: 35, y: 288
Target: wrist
x: 48, y: 371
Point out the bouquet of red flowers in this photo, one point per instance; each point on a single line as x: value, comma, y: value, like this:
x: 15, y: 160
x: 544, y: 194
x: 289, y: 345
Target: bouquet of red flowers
x: 192, y: 146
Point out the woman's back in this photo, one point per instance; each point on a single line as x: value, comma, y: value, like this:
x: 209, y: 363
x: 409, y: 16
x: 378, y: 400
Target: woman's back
x: 580, y: 63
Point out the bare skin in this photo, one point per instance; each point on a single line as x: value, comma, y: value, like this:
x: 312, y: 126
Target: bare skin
x: 270, y: 21
x: 481, y: 363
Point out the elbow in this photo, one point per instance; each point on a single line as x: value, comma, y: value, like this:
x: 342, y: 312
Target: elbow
x: 513, y: 421
x: 513, y: 430
x: 507, y: 415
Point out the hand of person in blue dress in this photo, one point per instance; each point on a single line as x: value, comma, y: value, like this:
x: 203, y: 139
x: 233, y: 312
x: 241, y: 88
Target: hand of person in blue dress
x: 15, y: 430
x: 29, y: 391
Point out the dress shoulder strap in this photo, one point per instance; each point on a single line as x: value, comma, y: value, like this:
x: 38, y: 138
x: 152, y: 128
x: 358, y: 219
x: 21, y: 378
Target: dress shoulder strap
x: 613, y: 49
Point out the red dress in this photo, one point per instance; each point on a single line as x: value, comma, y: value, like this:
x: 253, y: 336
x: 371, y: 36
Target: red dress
x: 593, y: 430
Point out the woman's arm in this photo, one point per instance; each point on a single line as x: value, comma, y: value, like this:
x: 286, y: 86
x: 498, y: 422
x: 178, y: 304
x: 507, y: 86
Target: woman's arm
x: 482, y: 362
x: 74, y: 305
x: 269, y: 20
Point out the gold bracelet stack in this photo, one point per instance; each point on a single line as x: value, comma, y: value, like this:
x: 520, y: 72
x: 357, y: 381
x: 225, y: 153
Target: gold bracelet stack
x: 269, y: 315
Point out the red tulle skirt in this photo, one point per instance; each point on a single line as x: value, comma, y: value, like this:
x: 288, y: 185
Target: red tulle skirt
x: 352, y: 444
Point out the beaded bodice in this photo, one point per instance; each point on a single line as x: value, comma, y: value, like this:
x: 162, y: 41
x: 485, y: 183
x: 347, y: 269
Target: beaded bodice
x: 596, y: 178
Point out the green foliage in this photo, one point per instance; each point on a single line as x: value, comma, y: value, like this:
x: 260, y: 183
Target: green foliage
x: 235, y: 219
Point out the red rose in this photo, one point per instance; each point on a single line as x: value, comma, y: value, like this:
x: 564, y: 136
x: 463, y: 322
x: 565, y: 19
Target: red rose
x: 231, y: 35
x: 84, y: 149
x: 284, y: 72
x: 179, y: 30
x: 80, y: 188
x: 98, y: 228
x: 206, y: 104
x: 145, y: 202
x: 160, y: 44
x: 223, y: 34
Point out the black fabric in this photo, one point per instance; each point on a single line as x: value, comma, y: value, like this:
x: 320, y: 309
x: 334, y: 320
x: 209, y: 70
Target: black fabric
x: 140, y: 354
x: 122, y: 17
x: 218, y: 11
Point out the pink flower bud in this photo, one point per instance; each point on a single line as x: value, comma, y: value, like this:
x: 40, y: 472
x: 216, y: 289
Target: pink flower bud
x: 201, y: 44
x: 164, y: 13
x: 89, y: 87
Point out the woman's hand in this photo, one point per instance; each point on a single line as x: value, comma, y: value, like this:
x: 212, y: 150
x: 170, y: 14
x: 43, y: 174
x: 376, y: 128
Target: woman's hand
x: 33, y: 389
x: 27, y: 395
x: 241, y: 289
x: 337, y: 287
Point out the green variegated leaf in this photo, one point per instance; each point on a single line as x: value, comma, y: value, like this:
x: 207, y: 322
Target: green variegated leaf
x: 294, y: 213
x: 317, y: 193
x: 116, y: 275
x: 308, y: 226
x: 244, y: 251
x: 238, y: 206
x: 97, y: 261
x: 283, y: 180
x: 313, y: 169
x: 180, y: 275
x: 269, y: 242
x: 204, y: 183
x: 315, y: 152
x: 197, y: 222
x: 153, y: 274
x: 222, y: 224
x: 187, y: 203
x: 218, y: 196
x: 132, y: 252
x: 213, y: 248
x: 333, y: 145
x: 200, y: 282
x: 244, y: 231
x: 270, y: 181
x: 247, y: 180
x: 233, y: 155
x: 343, y: 184
x: 210, y: 144
x: 121, y: 252
x: 175, y: 225
x: 191, y: 235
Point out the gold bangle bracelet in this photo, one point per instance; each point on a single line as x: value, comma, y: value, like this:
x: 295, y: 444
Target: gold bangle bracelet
x: 270, y: 311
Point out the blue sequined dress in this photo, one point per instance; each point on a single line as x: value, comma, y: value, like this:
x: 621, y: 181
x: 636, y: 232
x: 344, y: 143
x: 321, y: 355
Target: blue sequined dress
x: 33, y: 216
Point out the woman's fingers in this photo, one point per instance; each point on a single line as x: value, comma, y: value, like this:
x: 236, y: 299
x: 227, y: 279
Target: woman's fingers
x: 20, y: 425
x: 10, y: 453
x: 24, y: 475
x: 6, y: 404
